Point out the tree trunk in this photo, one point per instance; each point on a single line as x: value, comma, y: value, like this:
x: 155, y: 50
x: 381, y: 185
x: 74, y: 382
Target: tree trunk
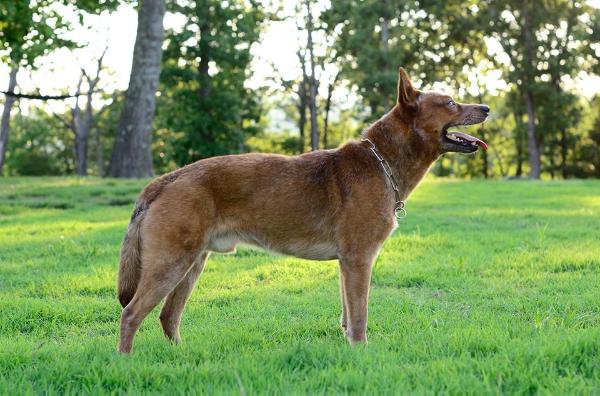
x: 314, y: 131
x: 532, y: 143
x: 519, y: 142
x: 563, y: 153
x: 302, y: 109
x: 519, y: 171
x: 500, y: 164
x: 5, y: 123
x: 563, y: 130
x: 82, y: 135
x: 551, y: 158
x: 81, y: 155
x: 132, y: 151
x: 326, y: 121
x: 205, y: 90
x: 571, y: 20
x: 99, y: 152
x: 302, y: 100
x: 484, y: 154
x: 385, y: 40
x: 78, y: 126
x: 385, y: 20
x: 81, y: 123
x: 330, y: 89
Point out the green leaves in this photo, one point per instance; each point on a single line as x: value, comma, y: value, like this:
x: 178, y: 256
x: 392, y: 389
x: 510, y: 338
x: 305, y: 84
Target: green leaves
x: 29, y: 29
x: 204, y: 108
x: 431, y: 39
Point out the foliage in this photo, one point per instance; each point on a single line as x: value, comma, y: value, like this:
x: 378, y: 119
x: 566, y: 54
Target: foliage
x: 204, y: 102
x: 29, y: 29
x: 41, y: 146
x: 543, y: 42
x: 105, y: 126
x: 450, y: 41
x: 587, y: 159
x: 281, y: 143
x: 206, y: 108
x: 375, y: 37
x: 509, y: 307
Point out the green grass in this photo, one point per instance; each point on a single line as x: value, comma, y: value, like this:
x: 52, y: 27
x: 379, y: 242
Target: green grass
x: 485, y: 288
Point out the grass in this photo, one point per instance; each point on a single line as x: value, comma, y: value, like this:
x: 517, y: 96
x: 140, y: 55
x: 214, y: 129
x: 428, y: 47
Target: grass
x: 485, y: 288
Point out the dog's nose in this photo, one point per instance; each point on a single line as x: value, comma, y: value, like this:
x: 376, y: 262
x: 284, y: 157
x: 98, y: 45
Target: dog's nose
x: 485, y: 108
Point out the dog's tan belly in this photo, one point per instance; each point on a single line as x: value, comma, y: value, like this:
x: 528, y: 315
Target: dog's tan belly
x: 311, y: 250
x: 223, y: 244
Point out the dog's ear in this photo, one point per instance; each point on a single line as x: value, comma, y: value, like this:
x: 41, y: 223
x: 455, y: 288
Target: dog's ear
x: 407, y: 94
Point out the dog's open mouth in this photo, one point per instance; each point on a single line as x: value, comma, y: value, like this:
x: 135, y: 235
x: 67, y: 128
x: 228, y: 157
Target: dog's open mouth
x: 466, y: 139
x: 462, y: 142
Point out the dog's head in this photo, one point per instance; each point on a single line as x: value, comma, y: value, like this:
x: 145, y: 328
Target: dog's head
x: 431, y: 114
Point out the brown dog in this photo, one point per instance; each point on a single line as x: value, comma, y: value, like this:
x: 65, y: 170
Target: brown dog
x: 328, y: 204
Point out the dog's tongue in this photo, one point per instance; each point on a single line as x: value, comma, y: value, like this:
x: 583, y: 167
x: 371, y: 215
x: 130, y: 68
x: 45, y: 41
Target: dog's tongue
x: 470, y: 138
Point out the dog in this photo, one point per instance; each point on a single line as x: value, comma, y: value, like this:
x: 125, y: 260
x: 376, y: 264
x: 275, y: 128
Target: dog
x: 327, y: 204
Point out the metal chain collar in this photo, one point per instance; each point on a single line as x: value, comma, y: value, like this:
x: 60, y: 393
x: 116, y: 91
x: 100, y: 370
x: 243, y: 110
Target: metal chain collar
x: 399, y: 210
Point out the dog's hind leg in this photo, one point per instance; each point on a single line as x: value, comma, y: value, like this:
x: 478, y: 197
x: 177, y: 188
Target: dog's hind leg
x: 156, y: 283
x: 170, y: 316
x: 173, y: 233
x: 167, y: 256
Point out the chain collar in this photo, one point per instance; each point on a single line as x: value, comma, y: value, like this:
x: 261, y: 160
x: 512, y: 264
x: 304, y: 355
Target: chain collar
x: 399, y: 210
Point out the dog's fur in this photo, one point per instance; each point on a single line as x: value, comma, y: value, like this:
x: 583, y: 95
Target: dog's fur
x: 328, y: 204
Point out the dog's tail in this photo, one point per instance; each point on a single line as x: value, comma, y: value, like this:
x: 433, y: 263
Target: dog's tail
x: 130, y: 267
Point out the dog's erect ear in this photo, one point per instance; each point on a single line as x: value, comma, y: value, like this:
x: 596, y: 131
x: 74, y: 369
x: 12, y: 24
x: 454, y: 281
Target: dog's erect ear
x: 407, y: 94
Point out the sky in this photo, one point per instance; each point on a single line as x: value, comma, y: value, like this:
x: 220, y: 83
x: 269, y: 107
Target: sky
x: 60, y: 71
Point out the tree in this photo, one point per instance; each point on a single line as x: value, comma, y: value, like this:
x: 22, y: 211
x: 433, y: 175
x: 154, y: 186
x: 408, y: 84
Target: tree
x: 29, y: 30
x: 569, y: 45
x: 303, y: 93
x: 80, y: 122
x: 25, y: 34
x: 543, y: 41
x: 204, y: 104
x: 527, y: 75
x: 330, y: 88
x: 374, y: 37
x: 5, y: 122
x: 312, y: 80
x: 315, y: 69
x: 296, y: 90
x: 303, y: 86
x: 364, y: 43
x: 594, y: 135
x: 40, y: 146
x: 132, y: 151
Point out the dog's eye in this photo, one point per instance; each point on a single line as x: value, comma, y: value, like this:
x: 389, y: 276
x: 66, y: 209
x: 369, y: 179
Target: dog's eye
x: 451, y: 103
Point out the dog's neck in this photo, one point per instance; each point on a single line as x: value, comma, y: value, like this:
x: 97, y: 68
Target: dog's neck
x: 404, y: 147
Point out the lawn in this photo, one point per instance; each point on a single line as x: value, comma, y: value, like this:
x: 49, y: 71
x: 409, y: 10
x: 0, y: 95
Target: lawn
x: 485, y: 288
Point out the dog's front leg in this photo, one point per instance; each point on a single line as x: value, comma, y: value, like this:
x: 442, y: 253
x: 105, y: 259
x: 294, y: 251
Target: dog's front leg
x: 355, y: 276
x: 344, y: 316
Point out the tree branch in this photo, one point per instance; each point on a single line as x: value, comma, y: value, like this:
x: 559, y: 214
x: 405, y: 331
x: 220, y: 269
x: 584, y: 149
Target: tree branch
x: 44, y: 97
x: 64, y: 122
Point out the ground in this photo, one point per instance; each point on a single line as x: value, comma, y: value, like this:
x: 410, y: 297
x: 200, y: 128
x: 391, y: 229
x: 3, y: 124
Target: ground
x: 485, y: 288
